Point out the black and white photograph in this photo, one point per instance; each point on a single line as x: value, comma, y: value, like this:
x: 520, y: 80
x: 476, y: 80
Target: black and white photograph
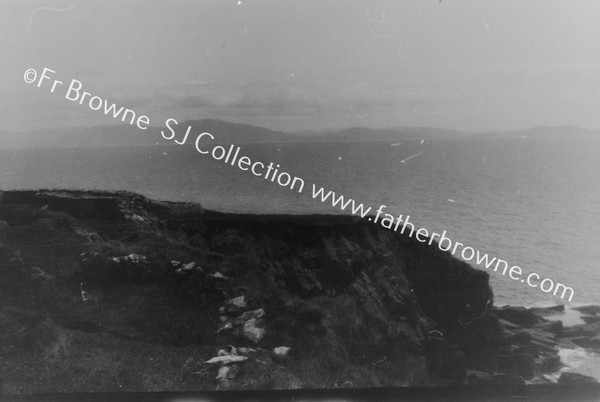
x: 299, y: 200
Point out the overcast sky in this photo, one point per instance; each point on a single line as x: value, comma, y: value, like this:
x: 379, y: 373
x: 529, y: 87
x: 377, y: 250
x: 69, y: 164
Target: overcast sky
x: 308, y: 64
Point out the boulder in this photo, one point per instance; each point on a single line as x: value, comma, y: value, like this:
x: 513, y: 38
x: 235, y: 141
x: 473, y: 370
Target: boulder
x: 252, y: 332
x: 576, y: 379
x: 549, y: 363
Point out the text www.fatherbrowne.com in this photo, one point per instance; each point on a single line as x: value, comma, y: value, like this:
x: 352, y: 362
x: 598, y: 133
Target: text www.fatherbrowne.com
x: 273, y: 173
x: 444, y: 243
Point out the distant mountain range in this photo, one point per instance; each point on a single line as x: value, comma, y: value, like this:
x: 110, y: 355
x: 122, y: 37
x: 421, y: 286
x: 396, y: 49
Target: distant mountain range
x: 225, y: 132
x: 543, y: 132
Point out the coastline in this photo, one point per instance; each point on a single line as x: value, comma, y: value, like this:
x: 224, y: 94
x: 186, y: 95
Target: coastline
x: 357, y: 305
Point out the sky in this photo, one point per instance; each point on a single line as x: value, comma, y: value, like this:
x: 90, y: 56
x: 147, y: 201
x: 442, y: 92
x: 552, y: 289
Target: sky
x: 478, y: 65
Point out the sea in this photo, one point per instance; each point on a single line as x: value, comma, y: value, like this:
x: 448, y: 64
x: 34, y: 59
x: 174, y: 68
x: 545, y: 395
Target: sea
x: 534, y: 203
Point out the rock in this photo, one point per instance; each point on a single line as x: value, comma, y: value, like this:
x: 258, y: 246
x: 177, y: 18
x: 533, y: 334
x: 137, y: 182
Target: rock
x: 549, y: 363
x: 542, y: 341
x: 229, y: 359
x: 135, y: 217
x: 229, y: 350
x: 226, y: 359
x: 591, y: 319
x: 582, y: 330
x: 188, y: 268
x: 281, y: 352
x: 542, y: 347
x: 222, y: 375
x: 517, y: 315
x: 588, y: 343
x: 575, y: 379
x: 554, y: 327
x: 89, y: 235
x: 226, y: 375
x: 252, y: 332
x: 253, y: 314
x: 520, y: 363
x: 246, y: 321
x: 233, y: 306
x: 102, y: 268
x: 548, y: 311
x: 517, y: 337
x: 588, y: 310
x: 543, y: 379
x: 225, y: 327
x: 506, y: 325
x: 525, y: 365
x: 218, y: 275
x: 239, y: 301
x: 132, y: 258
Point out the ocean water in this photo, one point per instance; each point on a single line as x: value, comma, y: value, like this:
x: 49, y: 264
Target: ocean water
x: 532, y: 202
x: 578, y: 361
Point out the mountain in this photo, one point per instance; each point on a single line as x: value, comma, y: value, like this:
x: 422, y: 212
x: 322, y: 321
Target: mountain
x: 226, y: 132
x: 234, y: 132
x: 389, y: 134
x: 127, y: 135
x: 565, y: 131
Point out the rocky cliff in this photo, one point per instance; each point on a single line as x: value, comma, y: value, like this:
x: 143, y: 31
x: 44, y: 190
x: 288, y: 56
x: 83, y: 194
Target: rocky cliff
x: 111, y: 291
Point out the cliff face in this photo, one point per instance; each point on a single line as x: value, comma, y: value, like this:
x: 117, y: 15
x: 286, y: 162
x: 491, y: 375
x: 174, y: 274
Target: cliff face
x: 117, y: 292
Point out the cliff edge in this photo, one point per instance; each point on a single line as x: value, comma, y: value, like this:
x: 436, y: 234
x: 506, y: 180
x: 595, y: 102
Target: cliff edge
x: 107, y: 291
